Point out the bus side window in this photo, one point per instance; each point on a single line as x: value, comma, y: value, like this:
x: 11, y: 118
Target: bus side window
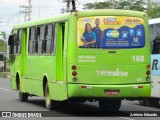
x: 49, y: 39
x: 31, y: 47
x: 18, y: 40
x: 37, y: 39
x: 44, y: 41
x: 53, y: 41
x: 41, y: 39
x: 15, y: 37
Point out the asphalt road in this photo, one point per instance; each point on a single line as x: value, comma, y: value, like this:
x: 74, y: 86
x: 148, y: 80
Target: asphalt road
x: 9, y: 102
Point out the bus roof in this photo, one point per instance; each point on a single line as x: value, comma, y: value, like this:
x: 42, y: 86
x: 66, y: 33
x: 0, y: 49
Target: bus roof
x: 61, y: 17
x: 154, y: 21
x: 82, y: 13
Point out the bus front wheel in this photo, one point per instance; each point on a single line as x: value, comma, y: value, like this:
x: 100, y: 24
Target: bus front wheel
x: 109, y: 105
x: 48, y: 100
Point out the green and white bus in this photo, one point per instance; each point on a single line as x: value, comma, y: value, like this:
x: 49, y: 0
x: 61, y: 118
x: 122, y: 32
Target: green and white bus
x: 96, y: 55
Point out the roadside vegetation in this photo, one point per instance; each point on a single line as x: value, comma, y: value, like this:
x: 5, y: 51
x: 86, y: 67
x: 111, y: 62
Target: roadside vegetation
x: 153, y: 10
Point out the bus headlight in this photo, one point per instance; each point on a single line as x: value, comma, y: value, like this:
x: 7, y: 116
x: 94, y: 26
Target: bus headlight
x: 148, y: 72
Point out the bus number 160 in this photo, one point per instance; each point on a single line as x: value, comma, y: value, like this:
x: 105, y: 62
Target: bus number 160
x: 138, y: 58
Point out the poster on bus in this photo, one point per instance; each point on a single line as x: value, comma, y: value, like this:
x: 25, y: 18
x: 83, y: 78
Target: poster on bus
x: 110, y: 32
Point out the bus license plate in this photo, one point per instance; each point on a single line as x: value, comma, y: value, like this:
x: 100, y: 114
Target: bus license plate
x: 112, y: 92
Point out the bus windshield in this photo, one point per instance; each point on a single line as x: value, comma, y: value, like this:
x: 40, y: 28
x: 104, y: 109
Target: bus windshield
x: 110, y: 32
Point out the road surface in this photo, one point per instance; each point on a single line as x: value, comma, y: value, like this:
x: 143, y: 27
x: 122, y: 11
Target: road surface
x: 9, y: 102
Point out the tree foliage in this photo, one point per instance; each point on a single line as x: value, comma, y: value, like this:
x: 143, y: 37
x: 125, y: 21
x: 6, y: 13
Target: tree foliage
x: 137, y: 5
x: 3, y: 45
x: 4, y: 35
x: 99, y: 5
x: 153, y: 11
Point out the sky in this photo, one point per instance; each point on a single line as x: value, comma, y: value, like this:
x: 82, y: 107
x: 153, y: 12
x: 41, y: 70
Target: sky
x: 10, y: 15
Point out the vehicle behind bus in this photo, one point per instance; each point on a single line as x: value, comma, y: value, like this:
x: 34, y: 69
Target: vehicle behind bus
x: 2, y: 61
x: 154, y: 27
x: 100, y: 55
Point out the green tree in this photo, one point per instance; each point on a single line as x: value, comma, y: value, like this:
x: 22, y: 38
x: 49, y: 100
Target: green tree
x: 3, y: 45
x: 4, y: 35
x: 137, y: 5
x: 97, y: 5
x: 121, y: 4
x: 153, y: 10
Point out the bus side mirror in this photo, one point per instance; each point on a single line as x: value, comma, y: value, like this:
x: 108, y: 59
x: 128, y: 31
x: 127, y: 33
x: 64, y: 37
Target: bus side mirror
x: 11, y: 44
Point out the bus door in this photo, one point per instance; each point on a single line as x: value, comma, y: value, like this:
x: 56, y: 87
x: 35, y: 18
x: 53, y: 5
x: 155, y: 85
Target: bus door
x: 23, y: 52
x: 155, y: 66
x: 61, y: 49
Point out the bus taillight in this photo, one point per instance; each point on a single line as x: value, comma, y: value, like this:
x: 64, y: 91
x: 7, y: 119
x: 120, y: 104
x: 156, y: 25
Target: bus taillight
x: 74, y: 67
x: 148, y: 72
x: 148, y: 67
x: 74, y: 73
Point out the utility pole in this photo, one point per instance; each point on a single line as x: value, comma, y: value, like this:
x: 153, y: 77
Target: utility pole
x: 67, y: 5
x: 29, y: 10
x: 149, y: 3
x: 112, y: 2
x: 26, y: 11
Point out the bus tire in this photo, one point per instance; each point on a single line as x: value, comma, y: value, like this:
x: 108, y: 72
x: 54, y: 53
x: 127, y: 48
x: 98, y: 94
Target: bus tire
x: 23, y: 97
x: 48, y: 101
x: 153, y: 102
x: 143, y: 102
x: 109, y: 105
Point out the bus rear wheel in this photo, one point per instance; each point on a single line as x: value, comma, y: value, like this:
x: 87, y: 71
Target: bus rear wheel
x: 109, y: 105
x: 23, y: 97
x: 52, y: 104
x: 143, y: 102
x: 150, y: 102
x: 153, y: 102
